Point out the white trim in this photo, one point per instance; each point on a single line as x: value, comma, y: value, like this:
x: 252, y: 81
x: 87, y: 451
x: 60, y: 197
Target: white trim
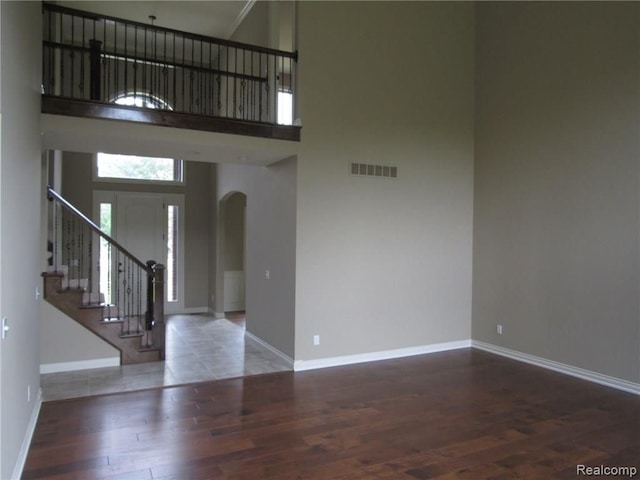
x: 302, y: 365
x: 214, y: 314
x: 594, y: 377
x: 241, y: 16
x: 268, y: 346
x: 28, y: 436
x: 188, y: 311
x: 79, y: 365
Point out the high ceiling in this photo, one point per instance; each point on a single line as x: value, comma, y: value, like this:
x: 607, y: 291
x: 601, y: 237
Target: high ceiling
x: 212, y: 18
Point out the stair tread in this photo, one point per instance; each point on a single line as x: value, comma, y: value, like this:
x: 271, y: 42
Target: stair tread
x: 112, y: 320
x: 52, y: 274
x: 98, y: 305
x: 132, y: 334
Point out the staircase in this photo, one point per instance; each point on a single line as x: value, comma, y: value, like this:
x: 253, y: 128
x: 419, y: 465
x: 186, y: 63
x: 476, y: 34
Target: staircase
x: 85, y: 261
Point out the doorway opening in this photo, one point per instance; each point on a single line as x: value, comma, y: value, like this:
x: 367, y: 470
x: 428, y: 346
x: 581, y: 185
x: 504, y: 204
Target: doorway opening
x: 233, y: 247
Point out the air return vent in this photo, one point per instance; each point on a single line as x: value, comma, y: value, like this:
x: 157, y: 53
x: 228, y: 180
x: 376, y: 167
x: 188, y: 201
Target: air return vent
x: 369, y: 170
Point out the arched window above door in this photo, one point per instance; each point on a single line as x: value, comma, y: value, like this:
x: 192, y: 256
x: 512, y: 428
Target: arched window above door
x: 141, y: 99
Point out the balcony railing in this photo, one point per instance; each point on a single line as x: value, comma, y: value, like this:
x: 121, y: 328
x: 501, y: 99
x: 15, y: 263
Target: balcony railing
x: 90, y: 58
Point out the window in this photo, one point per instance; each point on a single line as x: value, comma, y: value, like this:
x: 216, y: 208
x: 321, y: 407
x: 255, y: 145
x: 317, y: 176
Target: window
x: 285, y: 107
x: 131, y: 167
x: 172, y: 253
x: 142, y: 100
x: 105, y: 262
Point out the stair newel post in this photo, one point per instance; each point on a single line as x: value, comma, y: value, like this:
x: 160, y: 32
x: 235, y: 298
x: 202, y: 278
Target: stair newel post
x: 95, y: 58
x: 158, y: 308
x: 149, y: 313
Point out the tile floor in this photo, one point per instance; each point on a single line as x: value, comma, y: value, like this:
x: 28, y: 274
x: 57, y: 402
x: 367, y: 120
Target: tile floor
x: 199, y: 348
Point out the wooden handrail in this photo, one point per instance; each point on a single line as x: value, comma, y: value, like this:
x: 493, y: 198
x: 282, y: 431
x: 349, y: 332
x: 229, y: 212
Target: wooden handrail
x: 152, y: 60
x: 203, y: 38
x: 65, y: 203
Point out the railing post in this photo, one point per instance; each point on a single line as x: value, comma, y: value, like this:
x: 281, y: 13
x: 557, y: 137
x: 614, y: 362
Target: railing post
x: 158, y: 332
x: 95, y: 47
x: 149, y: 313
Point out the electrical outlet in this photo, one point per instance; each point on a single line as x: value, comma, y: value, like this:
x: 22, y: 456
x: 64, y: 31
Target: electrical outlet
x: 37, y: 293
x: 316, y: 340
x: 28, y: 393
x: 267, y: 274
x: 499, y: 329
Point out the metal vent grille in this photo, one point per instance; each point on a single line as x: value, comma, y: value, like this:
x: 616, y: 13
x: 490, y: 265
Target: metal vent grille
x: 369, y: 170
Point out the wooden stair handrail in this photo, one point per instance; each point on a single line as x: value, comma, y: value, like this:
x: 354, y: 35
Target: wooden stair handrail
x: 53, y: 194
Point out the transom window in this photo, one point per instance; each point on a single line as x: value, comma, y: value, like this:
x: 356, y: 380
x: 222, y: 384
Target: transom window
x: 135, y: 168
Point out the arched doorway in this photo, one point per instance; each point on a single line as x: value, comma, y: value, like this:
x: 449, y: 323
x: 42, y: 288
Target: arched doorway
x: 232, y: 226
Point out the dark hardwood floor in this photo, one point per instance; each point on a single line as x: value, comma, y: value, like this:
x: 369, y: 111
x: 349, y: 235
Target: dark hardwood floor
x: 458, y: 414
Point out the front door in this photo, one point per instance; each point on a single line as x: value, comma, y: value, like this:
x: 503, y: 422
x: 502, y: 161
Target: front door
x: 147, y: 225
x: 140, y: 227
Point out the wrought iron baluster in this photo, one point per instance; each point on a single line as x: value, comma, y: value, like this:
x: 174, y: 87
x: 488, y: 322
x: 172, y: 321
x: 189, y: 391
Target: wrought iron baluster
x: 90, y: 263
x: 219, y: 84
x: 73, y: 43
x: 125, y: 67
x: 80, y: 253
x: 235, y: 83
x: 227, y: 81
x: 260, y: 90
x: 116, y: 64
x: 191, y: 73
x: 175, y: 76
x: 139, y: 317
x: 135, y: 62
x: 165, y: 82
x: 119, y: 300
x: 184, y: 46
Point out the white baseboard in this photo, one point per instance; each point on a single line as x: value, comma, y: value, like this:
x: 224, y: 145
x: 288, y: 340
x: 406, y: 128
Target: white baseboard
x: 26, y: 443
x: 301, y: 365
x: 79, y: 365
x: 187, y: 311
x: 594, y: 377
x: 268, y: 346
x: 215, y: 314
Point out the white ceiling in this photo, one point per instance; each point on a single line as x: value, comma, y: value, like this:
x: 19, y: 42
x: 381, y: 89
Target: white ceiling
x: 212, y: 18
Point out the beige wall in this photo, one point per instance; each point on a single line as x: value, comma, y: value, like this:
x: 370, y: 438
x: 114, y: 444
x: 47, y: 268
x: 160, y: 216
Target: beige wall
x: 271, y: 245
x: 63, y: 340
x: 234, y: 232
x: 384, y: 263
x: 20, y: 198
x: 254, y: 29
x: 557, y: 181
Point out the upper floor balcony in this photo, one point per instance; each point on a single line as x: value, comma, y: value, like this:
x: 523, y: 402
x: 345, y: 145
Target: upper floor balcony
x: 109, y: 68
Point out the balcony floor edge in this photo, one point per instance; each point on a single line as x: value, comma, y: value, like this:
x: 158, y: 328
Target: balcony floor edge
x: 80, y: 108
